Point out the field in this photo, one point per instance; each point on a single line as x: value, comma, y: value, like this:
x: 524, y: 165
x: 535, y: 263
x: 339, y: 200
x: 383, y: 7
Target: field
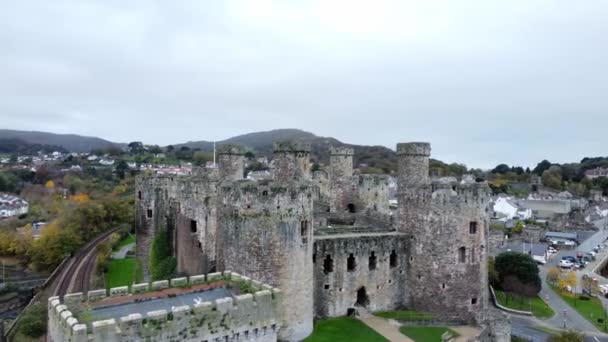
x: 426, y: 334
x: 120, y: 272
x: 344, y: 329
x: 540, y: 309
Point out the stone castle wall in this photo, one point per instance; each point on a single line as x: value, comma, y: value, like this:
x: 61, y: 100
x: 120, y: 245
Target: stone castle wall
x: 380, y: 262
x: 252, y: 317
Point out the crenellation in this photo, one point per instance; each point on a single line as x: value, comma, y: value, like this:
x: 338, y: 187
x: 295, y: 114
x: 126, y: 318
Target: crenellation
x: 119, y: 291
x: 95, y: 295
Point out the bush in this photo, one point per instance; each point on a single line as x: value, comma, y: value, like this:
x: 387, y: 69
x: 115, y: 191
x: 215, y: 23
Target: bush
x: 33, y: 321
x: 162, y: 264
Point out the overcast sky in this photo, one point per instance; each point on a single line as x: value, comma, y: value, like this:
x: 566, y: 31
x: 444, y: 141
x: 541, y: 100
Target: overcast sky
x: 485, y: 82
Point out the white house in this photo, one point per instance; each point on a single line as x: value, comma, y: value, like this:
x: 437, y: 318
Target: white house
x: 12, y: 206
x: 507, y: 209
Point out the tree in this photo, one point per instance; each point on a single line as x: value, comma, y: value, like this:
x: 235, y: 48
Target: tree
x: 520, y: 266
x: 136, y: 147
x: 49, y: 185
x: 249, y: 155
x: 567, y: 336
x: 518, y: 228
x: 590, y: 285
x: 541, y: 167
x: 552, y: 178
x: 501, y: 168
x: 200, y: 158
x: 553, y: 275
x: 492, y: 274
x: 568, y: 282
x: 121, y: 168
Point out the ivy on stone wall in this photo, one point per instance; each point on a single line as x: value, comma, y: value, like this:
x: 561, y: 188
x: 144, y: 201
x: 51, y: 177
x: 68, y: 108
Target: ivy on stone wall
x: 162, y: 264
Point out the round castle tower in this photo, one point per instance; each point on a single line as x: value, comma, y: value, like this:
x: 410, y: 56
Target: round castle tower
x: 230, y: 160
x: 266, y: 234
x: 447, y: 228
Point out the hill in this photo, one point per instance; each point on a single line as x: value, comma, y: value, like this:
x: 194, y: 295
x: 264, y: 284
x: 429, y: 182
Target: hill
x: 70, y: 142
x: 18, y: 146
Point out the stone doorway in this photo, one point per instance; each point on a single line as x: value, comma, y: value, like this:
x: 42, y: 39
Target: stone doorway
x: 351, y: 208
x: 362, y: 298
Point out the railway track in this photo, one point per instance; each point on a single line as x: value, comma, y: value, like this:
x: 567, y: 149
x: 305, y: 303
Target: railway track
x: 77, y: 274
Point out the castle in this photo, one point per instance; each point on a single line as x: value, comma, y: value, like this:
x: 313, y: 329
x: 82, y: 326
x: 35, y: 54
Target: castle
x: 328, y: 240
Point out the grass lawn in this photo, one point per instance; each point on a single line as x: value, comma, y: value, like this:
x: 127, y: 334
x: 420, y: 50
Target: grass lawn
x: 130, y: 238
x: 343, y: 329
x: 592, y: 308
x: 426, y: 334
x: 540, y: 309
x: 120, y: 272
x: 404, y: 315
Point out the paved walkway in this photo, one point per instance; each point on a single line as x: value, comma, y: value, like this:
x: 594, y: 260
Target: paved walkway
x: 122, y: 253
x: 382, y: 326
x: 466, y: 333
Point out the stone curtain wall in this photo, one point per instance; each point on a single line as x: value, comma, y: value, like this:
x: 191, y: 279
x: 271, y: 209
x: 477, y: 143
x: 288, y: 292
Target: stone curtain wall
x: 252, y: 317
x: 385, y: 285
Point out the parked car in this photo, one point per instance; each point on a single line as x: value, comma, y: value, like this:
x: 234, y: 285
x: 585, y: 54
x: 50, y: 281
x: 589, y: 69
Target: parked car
x: 551, y: 250
x: 588, y: 258
x: 569, y: 258
x: 580, y: 264
x: 565, y: 263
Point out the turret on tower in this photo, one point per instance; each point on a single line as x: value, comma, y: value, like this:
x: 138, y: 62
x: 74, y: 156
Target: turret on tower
x: 291, y: 161
x: 340, y: 162
x: 231, y: 160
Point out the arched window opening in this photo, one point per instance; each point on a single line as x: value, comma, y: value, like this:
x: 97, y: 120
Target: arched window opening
x: 350, y: 263
x: 393, y: 259
x: 372, y: 261
x: 328, y: 264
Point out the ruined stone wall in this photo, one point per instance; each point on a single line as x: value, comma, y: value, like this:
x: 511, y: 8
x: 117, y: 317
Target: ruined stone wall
x: 336, y: 287
x: 191, y: 198
x: 374, y: 193
x: 251, y: 317
x: 291, y: 161
x: 266, y: 233
x: 321, y: 186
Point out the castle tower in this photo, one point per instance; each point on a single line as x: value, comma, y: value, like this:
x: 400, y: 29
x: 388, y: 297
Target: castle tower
x: 231, y: 162
x: 413, y: 186
x: 340, y: 162
x: 447, y: 227
x: 266, y: 234
x: 291, y: 161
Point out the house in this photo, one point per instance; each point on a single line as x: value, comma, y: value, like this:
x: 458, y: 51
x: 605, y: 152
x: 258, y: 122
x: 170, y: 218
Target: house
x: 92, y: 157
x: 596, y: 173
x: 561, y: 236
x: 507, y: 208
x: 11, y: 206
x: 106, y: 162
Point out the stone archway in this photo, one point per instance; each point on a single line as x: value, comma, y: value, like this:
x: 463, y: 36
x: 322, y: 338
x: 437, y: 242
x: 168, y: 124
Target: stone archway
x: 362, y: 298
x: 351, y: 208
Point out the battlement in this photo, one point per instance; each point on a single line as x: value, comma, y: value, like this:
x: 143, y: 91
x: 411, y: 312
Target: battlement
x: 291, y: 147
x: 230, y: 149
x: 414, y: 149
x: 375, y: 180
x: 461, y: 193
x: 341, y: 151
x: 125, y: 314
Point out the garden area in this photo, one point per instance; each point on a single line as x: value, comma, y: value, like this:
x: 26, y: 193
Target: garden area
x: 343, y: 329
x: 535, y: 304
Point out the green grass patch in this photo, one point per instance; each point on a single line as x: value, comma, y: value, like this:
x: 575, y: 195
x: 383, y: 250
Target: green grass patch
x: 343, y: 329
x: 590, y: 308
x: 405, y: 315
x: 539, y: 308
x: 120, y: 272
x: 426, y: 334
x: 130, y: 238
